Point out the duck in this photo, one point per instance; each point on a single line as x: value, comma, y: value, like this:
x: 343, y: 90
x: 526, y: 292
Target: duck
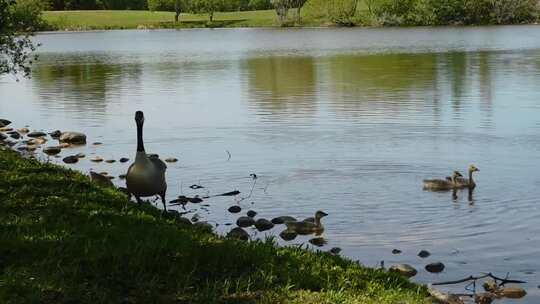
x: 442, y: 184
x: 305, y: 228
x: 468, y: 182
x: 146, y: 175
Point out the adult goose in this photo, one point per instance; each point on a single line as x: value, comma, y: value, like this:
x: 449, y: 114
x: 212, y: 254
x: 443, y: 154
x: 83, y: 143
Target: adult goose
x: 443, y: 184
x: 146, y: 176
x: 467, y: 182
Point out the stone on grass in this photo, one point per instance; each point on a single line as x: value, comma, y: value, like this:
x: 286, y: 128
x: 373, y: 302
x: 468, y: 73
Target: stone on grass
x: 100, y: 179
x: 238, y: 233
x: 245, y: 221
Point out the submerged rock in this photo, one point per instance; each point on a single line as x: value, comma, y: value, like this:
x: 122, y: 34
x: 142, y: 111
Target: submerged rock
x: 2, y: 136
x: 124, y: 160
x: 288, y: 235
x: 335, y: 250
x: 122, y: 176
x: 4, y: 123
x: 435, y: 267
x: 56, y: 134
x: 70, y: 159
x: 245, y: 221
x: 73, y: 138
x: 263, y: 224
x: 238, y: 233
x: 96, y: 159
x: 405, y: 270
x: 36, y: 134
x: 80, y: 155
x: 23, y: 130
x: 424, y: 254
x: 318, y: 241
x: 234, y: 209
x: 251, y: 213
x: 15, y: 135
x: 396, y: 251
x: 171, y: 160
x: 283, y: 219
x: 110, y: 161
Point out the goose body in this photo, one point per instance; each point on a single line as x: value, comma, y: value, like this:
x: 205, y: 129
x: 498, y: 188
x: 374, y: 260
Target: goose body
x: 442, y: 184
x: 146, y: 176
x: 305, y: 227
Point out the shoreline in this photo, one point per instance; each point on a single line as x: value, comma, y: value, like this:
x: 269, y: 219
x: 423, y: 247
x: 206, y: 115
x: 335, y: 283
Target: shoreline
x: 77, y: 240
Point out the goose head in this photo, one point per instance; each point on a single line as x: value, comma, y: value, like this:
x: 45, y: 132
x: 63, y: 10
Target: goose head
x: 139, y: 118
x: 472, y: 168
x: 320, y: 214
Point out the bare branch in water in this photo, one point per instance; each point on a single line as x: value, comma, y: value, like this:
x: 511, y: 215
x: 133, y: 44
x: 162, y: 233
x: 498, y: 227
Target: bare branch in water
x: 487, y: 275
x: 229, y: 154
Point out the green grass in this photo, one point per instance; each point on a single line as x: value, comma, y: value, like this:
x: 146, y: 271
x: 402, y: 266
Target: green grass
x: 96, y: 20
x: 66, y: 240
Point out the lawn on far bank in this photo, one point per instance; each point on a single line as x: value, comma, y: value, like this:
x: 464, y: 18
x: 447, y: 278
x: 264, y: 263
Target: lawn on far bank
x: 64, y: 239
x: 101, y: 20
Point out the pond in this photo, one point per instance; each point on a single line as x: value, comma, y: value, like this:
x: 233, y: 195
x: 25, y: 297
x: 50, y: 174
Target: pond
x: 349, y: 121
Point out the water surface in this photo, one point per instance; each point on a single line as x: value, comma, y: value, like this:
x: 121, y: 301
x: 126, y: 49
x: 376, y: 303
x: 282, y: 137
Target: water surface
x: 345, y: 120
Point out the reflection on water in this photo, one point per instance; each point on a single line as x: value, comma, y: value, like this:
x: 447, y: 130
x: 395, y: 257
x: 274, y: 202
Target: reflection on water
x: 346, y: 121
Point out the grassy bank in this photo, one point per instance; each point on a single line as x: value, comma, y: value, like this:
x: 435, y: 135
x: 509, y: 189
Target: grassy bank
x: 98, y: 20
x: 64, y: 239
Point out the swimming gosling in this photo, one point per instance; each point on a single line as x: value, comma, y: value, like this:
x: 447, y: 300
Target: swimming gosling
x: 146, y: 176
x: 442, y: 184
x: 304, y: 228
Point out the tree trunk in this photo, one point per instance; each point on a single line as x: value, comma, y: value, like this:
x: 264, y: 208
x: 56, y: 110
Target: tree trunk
x: 176, y: 10
x: 212, y: 16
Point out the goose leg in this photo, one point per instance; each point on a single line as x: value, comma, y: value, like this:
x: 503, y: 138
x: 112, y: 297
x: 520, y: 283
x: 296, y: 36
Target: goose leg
x: 162, y: 195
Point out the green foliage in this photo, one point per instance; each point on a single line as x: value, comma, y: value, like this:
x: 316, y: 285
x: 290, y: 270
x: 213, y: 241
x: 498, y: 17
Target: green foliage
x: 342, y: 12
x: 259, y: 4
x: 208, y: 7
x: 17, y: 21
x: 66, y: 240
x: 166, y: 5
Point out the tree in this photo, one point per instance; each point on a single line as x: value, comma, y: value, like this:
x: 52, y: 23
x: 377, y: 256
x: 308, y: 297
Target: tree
x: 15, y: 45
x: 208, y: 7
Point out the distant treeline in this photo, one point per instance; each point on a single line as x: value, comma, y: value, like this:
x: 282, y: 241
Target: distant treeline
x: 155, y: 5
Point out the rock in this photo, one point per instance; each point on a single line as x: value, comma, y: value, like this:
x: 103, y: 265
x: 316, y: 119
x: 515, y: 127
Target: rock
x: 263, y: 224
x: 104, y: 173
x: 64, y: 145
x: 2, y: 136
x: 396, y: 251
x: 251, y: 213
x: 445, y: 298
x: 110, y: 161
x: 56, y: 134
x: 171, y: 160
x: 238, y: 233
x: 435, y: 267
x: 424, y: 254
x: 512, y: 292
x: 52, y: 150
x: 96, y: 159
x: 73, y: 138
x: 36, y: 134
x: 4, y: 123
x: 38, y: 141
x: 15, y: 135
x: 122, y: 176
x: 23, y: 130
x: 288, y: 235
x: 31, y: 148
x: 80, y: 155
x: 100, y: 179
x: 234, y: 209
x: 70, y: 159
x: 484, y: 298
x: 404, y: 269
x: 245, y: 221
x: 124, y: 160
x: 6, y: 129
x: 283, y: 219
x: 97, y: 143
x: 318, y: 241
x: 335, y: 250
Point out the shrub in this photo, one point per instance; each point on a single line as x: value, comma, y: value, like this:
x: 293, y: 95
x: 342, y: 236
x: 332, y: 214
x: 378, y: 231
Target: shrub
x: 26, y: 15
